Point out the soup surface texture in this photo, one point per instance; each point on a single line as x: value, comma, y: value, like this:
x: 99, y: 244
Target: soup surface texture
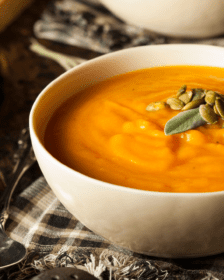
x: 105, y: 132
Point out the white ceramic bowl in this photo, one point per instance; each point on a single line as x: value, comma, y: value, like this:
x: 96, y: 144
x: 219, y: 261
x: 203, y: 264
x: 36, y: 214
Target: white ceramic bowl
x: 179, y: 18
x: 153, y: 223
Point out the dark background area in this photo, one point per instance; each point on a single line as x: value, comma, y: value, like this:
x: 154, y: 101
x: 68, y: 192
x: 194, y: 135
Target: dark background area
x: 23, y: 75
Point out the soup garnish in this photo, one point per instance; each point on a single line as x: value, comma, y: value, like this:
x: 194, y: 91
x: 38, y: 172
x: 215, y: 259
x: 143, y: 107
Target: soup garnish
x: 200, y: 106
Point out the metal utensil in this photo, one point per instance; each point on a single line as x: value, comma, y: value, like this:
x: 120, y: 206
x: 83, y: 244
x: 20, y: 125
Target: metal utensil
x: 11, y: 251
x: 66, y: 61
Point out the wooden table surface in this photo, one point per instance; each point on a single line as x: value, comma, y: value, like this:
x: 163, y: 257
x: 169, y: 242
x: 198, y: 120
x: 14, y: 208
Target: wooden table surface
x: 23, y: 75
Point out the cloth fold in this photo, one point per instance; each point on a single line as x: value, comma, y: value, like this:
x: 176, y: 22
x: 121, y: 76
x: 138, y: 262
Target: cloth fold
x: 40, y: 221
x: 88, y: 25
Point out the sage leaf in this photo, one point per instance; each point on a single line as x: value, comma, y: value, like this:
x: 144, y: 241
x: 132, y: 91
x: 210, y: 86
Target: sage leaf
x: 184, y: 121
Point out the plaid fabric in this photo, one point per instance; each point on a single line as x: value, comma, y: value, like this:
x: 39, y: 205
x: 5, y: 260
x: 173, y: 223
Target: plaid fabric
x: 41, y: 222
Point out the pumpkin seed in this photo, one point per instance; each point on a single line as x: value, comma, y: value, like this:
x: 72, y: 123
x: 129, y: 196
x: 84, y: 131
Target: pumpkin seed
x: 175, y: 103
x: 186, y: 97
x: 210, y: 97
x: 208, y: 114
x: 193, y: 104
x: 220, y: 95
x: 219, y: 104
x: 200, y: 106
x: 181, y: 90
x: 215, y: 110
x: 198, y: 93
x: 155, y: 106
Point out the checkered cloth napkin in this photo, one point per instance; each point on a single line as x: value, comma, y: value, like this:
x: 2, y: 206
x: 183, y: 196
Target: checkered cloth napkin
x: 41, y: 223
x: 55, y: 238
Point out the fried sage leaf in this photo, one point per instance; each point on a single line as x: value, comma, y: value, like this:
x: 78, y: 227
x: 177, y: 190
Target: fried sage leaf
x: 184, y: 121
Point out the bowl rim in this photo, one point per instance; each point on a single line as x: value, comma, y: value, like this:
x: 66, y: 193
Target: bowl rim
x: 88, y: 63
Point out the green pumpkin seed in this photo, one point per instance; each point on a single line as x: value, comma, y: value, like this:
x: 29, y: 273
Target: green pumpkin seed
x: 215, y: 110
x: 200, y: 106
x: 219, y: 104
x: 220, y: 96
x: 155, y: 106
x: 208, y: 114
x: 210, y: 97
x: 186, y: 97
x: 198, y: 93
x: 175, y: 103
x: 193, y: 104
x: 181, y: 90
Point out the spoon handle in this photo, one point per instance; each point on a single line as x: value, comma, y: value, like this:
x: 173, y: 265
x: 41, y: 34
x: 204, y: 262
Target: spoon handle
x: 24, y: 158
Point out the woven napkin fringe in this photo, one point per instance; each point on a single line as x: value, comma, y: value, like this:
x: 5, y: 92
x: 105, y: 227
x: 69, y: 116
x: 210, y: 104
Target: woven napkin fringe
x: 106, y: 266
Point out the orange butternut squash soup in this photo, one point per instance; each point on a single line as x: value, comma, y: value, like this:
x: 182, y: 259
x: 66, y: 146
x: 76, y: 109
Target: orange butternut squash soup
x: 106, y: 132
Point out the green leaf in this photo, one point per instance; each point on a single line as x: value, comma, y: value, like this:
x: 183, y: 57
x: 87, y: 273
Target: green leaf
x: 184, y: 121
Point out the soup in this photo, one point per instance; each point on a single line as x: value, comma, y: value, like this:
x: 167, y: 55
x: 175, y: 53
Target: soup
x: 106, y: 133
